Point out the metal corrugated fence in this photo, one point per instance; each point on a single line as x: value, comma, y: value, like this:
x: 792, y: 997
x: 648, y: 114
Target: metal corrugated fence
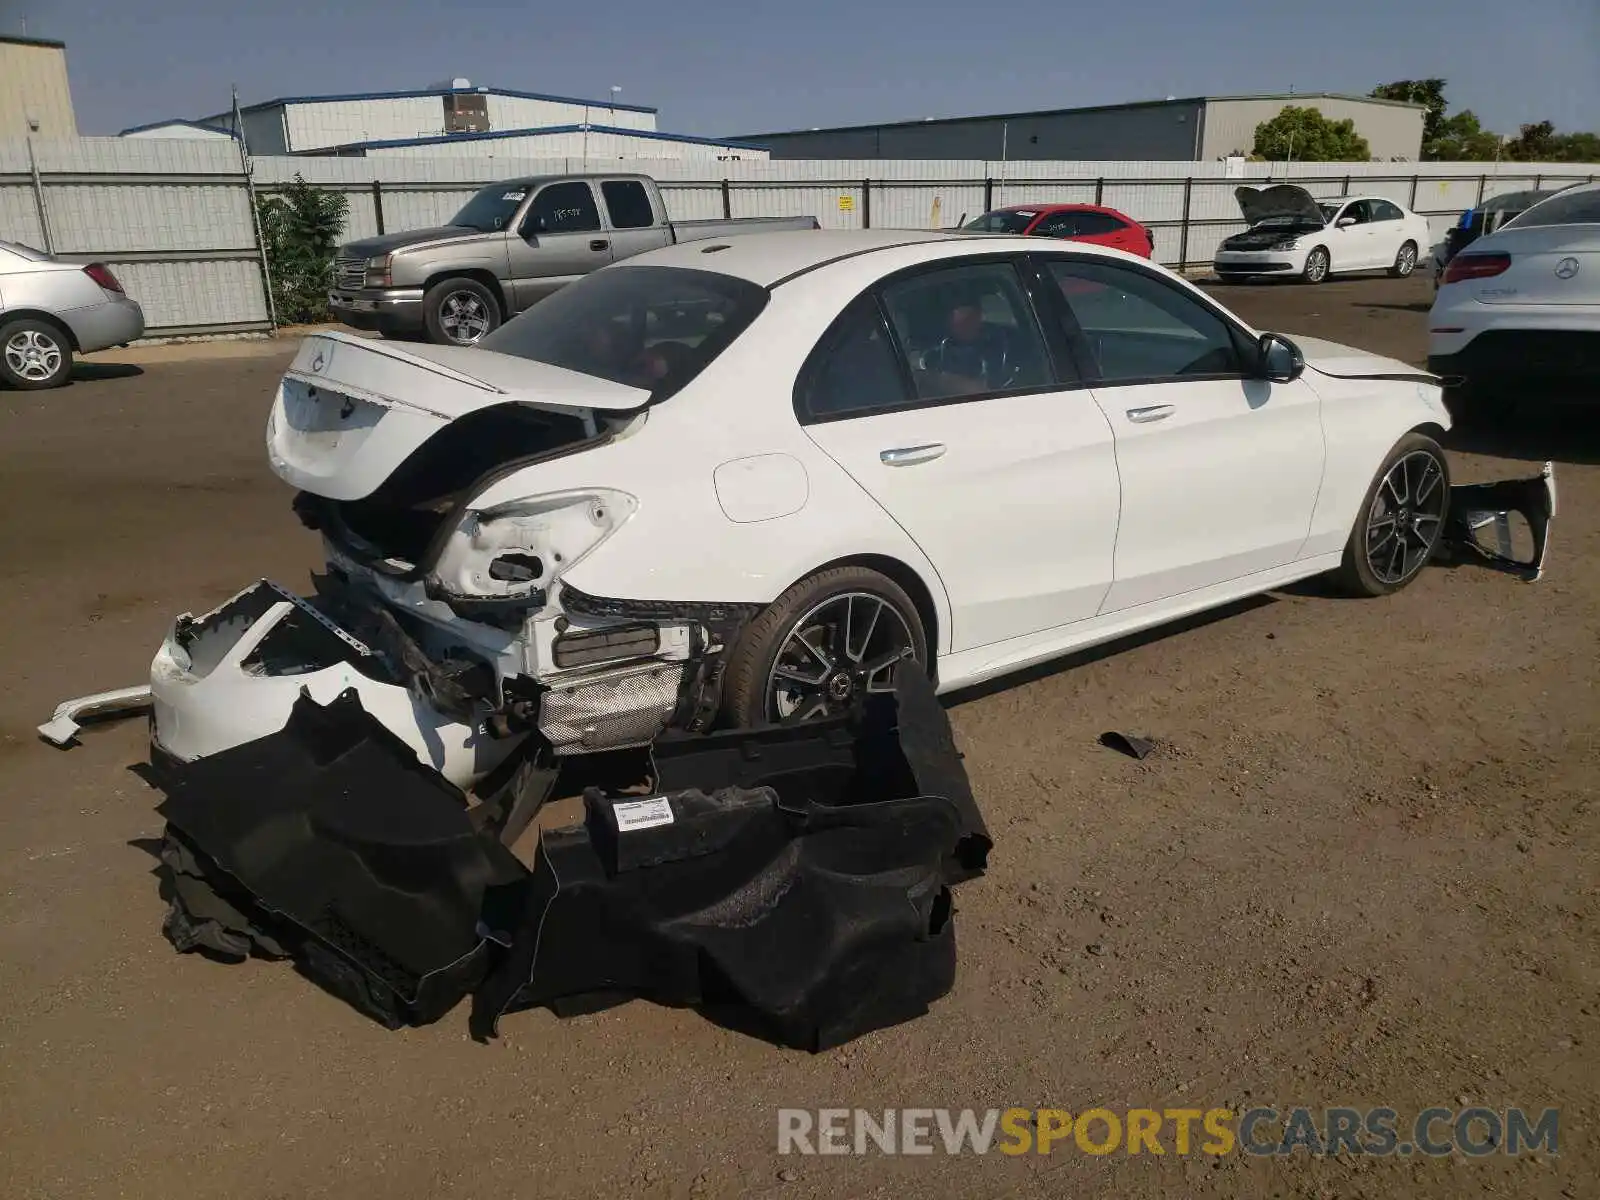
x: 172, y: 217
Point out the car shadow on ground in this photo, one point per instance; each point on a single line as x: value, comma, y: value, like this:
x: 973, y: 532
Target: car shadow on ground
x: 1105, y: 650
x: 1420, y: 306
x: 85, y: 372
x: 1550, y: 427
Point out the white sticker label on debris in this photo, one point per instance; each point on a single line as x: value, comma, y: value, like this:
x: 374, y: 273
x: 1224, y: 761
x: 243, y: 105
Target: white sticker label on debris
x: 643, y: 814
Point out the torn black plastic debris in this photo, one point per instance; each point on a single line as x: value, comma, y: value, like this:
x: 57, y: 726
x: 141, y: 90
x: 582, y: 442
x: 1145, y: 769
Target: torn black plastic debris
x: 1127, y: 743
x: 898, y: 746
x: 806, y: 924
x: 363, y: 858
x: 1479, y: 506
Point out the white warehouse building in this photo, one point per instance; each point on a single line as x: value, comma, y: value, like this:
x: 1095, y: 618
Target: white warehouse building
x: 452, y: 118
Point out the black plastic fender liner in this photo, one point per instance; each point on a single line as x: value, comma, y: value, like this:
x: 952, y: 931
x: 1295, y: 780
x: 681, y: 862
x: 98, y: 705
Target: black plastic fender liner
x: 1475, y: 506
x: 899, y: 745
x: 333, y: 827
x: 809, y: 925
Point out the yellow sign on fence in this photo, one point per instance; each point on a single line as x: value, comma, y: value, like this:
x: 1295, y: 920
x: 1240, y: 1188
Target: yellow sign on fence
x: 847, y: 203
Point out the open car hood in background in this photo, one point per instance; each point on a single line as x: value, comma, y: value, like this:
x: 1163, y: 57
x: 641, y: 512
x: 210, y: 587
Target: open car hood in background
x: 1277, y: 200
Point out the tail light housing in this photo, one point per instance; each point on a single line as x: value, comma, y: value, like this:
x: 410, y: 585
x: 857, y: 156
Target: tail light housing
x: 1467, y: 265
x: 102, y: 275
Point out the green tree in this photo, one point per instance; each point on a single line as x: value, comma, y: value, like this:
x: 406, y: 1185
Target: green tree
x: 1461, y: 138
x: 301, y: 226
x: 1427, y: 92
x: 1534, y: 143
x: 1578, y: 147
x: 1305, y: 135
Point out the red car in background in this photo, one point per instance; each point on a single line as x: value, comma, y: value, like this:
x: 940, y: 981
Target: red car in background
x: 1076, y: 222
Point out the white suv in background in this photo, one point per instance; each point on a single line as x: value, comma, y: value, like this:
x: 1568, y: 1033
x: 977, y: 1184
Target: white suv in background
x: 1524, y: 300
x: 1293, y: 234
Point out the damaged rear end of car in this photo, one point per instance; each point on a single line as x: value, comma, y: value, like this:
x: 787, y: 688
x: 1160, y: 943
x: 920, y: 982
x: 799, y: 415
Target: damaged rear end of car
x: 431, y: 476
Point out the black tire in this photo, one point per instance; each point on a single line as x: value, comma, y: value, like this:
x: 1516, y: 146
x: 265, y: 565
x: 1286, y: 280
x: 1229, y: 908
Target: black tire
x: 1405, y: 261
x: 1312, y: 273
x: 34, y: 354
x: 454, y: 305
x: 1357, y: 575
x: 750, y: 667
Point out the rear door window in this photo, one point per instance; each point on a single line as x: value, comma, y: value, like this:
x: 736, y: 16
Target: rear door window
x: 628, y: 204
x: 967, y: 331
x: 854, y: 370
x: 1382, y: 210
x: 1093, y: 224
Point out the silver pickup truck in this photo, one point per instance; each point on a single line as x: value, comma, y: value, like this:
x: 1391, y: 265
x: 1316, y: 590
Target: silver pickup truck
x: 513, y: 244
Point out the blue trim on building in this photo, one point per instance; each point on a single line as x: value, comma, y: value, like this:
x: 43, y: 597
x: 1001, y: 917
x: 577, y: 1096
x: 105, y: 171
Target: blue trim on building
x: 466, y: 91
x: 512, y: 133
x: 178, y: 121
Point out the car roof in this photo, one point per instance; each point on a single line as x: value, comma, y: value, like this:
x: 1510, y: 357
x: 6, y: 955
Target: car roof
x: 770, y: 258
x: 1055, y: 207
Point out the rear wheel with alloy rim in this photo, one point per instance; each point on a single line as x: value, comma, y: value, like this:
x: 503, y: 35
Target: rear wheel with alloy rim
x: 1316, y: 265
x: 1405, y: 262
x: 33, y: 354
x: 1401, y: 519
x: 826, y: 643
x: 460, y: 312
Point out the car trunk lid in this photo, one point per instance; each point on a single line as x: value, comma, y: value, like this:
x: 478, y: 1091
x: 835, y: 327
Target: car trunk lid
x: 1550, y: 264
x: 350, y: 411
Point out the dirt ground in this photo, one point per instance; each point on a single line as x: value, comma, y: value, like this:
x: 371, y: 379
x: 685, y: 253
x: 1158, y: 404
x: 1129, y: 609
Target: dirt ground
x: 1360, y: 871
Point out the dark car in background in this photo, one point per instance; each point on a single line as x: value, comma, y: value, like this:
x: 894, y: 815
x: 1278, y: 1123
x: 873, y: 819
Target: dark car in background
x: 1074, y: 222
x: 1484, y: 219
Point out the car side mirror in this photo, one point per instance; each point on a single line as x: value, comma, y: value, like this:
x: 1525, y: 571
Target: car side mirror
x: 1278, y: 359
x: 1345, y: 222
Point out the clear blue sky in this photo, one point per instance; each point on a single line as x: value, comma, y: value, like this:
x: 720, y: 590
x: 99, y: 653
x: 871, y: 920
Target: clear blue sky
x: 725, y: 68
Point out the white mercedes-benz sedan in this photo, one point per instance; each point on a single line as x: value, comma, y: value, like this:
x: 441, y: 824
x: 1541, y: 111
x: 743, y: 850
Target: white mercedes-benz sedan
x: 743, y: 482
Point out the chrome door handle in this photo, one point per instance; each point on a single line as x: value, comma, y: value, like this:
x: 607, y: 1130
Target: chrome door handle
x: 1156, y: 412
x: 908, y: 456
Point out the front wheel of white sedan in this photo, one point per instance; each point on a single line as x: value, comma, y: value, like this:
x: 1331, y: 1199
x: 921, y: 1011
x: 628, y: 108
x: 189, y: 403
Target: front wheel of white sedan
x: 817, y: 649
x: 1317, y: 263
x: 1401, y: 519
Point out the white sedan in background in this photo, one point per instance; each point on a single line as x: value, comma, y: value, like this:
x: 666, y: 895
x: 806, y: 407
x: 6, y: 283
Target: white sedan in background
x: 1292, y: 234
x: 1525, y: 299
x: 746, y: 481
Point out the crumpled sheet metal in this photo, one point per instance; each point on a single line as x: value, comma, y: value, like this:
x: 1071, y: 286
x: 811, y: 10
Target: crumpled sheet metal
x: 1475, y: 507
x: 793, y: 882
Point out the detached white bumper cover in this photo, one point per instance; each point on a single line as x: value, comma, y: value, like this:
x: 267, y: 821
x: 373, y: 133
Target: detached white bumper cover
x: 233, y: 675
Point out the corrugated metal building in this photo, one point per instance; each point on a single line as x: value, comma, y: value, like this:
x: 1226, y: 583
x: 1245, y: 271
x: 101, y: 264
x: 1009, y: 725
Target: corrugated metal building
x: 303, y: 124
x: 35, y: 96
x: 1194, y: 129
x: 588, y: 142
x: 192, y: 130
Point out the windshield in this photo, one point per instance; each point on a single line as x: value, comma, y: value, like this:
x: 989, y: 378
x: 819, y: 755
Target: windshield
x: 491, y: 209
x: 1004, y: 221
x: 1580, y: 206
x: 647, y: 327
x: 1327, y: 211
